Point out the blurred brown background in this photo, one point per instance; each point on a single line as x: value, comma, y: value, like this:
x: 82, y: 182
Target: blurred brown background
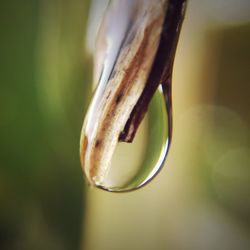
x: 200, y: 200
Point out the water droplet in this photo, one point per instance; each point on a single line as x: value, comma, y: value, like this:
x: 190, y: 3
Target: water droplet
x: 131, y: 60
x: 135, y: 164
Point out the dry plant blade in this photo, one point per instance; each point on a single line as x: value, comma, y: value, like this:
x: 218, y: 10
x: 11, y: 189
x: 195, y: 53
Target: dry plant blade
x: 144, y: 60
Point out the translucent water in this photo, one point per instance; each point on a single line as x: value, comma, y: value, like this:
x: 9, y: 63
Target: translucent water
x: 133, y: 165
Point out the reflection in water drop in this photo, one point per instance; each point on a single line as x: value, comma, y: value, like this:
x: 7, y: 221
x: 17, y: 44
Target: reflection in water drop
x: 132, y: 60
x: 135, y: 164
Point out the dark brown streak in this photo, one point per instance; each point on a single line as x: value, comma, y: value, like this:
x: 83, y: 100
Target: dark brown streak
x: 161, y: 71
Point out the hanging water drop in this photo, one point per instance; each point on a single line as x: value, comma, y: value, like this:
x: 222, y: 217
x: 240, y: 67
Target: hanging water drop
x: 132, y: 100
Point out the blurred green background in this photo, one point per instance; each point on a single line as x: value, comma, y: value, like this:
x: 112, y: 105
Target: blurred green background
x: 44, y: 86
x: 201, y: 199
